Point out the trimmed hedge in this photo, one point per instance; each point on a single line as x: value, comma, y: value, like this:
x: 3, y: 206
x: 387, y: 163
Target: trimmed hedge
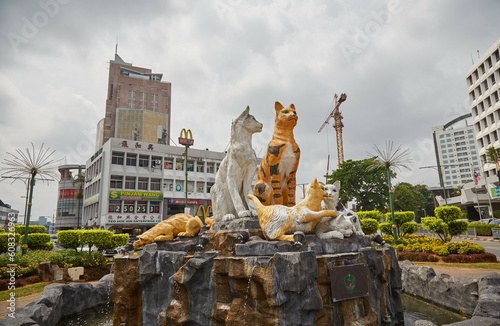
x: 33, y: 229
x: 376, y: 215
x: 39, y: 241
x: 369, y: 225
x: 483, y: 229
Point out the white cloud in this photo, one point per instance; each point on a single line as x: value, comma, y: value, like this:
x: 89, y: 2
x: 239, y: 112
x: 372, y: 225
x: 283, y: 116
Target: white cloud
x: 406, y: 75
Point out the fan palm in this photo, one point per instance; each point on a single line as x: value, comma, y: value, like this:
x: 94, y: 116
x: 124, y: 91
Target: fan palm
x: 391, y: 158
x: 28, y: 165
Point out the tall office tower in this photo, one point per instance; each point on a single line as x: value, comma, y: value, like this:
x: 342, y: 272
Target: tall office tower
x: 456, y: 152
x: 483, y: 80
x: 137, y: 106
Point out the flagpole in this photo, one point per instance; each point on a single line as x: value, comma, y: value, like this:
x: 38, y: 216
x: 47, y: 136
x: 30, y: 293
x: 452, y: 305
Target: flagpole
x: 475, y: 175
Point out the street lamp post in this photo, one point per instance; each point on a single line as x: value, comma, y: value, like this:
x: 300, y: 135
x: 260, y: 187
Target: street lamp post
x: 437, y: 168
x: 186, y: 139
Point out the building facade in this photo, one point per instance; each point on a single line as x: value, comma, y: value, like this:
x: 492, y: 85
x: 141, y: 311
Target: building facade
x: 137, y: 105
x: 132, y: 185
x: 70, y: 197
x: 483, y: 80
x: 456, y: 152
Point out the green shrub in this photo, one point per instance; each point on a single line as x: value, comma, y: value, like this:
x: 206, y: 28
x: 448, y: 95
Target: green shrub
x: 69, y: 238
x: 119, y: 240
x: 457, y: 227
x: 376, y: 215
x: 408, y: 228
x: 482, y: 229
x: 38, y: 241
x: 33, y: 229
x: 385, y: 228
x: 4, y: 241
x: 99, y: 238
x: 369, y: 225
x: 448, y: 213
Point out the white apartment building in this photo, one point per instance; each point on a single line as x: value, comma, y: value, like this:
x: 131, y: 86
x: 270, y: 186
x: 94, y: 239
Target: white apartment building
x: 483, y: 80
x: 456, y: 152
x: 132, y: 185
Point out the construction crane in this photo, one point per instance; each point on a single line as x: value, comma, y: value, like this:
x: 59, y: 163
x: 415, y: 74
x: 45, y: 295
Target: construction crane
x: 337, y: 118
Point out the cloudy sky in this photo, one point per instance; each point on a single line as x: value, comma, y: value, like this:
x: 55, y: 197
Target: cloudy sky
x: 402, y: 64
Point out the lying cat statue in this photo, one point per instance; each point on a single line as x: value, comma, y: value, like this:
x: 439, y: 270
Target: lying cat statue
x: 276, y: 220
x: 332, y: 202
x: 182, y: 225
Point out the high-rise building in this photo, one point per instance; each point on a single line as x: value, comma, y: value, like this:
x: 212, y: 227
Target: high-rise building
x: 137, y: 105
x: 483, y: 80
x: 456, y: 152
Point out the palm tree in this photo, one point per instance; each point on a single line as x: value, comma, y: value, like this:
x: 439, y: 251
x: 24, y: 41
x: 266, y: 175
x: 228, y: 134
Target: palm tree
x: 391, y: 158
x: 28, y: 165
x: 493, y: 156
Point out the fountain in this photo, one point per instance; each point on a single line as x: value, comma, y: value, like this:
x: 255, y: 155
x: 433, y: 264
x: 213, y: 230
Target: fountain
x: 232, y: 274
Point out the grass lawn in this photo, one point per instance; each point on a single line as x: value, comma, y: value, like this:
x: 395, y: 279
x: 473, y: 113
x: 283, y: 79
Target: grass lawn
x: 24, y: 291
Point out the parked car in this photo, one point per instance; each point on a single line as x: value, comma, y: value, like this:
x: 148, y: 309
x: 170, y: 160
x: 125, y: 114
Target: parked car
x: 110, y: 252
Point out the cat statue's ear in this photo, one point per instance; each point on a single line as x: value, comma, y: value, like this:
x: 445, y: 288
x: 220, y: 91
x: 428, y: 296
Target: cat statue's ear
x: 337, y: 185
x: 278, y: 106
x: 292, y: 106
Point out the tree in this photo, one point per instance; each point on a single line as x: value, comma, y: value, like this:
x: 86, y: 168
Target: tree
x: 428, y: 199
x: 407, y: 198
x: 447, y: 222
x: 366, y: 187
x: 493, y: 156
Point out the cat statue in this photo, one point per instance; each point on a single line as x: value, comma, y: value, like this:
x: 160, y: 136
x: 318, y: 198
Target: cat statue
x: 276, y: 182
x: 236, y: 172
x: 276, y: 220
x: 334, y: 227
x: 332, y: 202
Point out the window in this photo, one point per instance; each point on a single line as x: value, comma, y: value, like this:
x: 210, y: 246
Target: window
x: 190, y: 165
x: 200, y: 166
x: 169, y: 163
x: 142, y: 207
x: 129, y: 182
x: 155, y: 184
x: 116, y: 182
x: 200, y: 187
x: 156, y: 162
x: 131, y: 100
x: 143, y: 100
x: 117, y: 158
x: 154, y: 206
x: 128, y: 206
x: 131, y: 159
x: 154, y: 102
x: 115, y: 206
x: 142, y: 184
x: 211, y: 167
x: 144, y: 161
x: 179, y: 164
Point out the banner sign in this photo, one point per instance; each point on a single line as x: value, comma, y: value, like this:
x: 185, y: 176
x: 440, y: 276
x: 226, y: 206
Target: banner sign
x: 133, y: 218
x: 180, y: 201
x: 68, y: 193
x: 135, y: 195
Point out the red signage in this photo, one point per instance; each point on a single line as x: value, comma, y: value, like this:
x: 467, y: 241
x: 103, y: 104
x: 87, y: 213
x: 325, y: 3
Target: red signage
x: 68, y: 193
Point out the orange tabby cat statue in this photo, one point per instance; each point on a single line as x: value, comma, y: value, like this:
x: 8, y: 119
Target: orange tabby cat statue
x: 276, y: 182
x: 276, y: 220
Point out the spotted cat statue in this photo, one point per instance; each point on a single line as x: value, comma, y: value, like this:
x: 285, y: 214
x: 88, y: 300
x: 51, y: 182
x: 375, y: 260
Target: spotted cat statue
x: 276, y: 182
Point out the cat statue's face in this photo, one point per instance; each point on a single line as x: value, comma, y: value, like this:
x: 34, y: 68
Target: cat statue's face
x: 333, y: 192
x: 316, y: 191
x: 248, y: 122
x: 285, y: 117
